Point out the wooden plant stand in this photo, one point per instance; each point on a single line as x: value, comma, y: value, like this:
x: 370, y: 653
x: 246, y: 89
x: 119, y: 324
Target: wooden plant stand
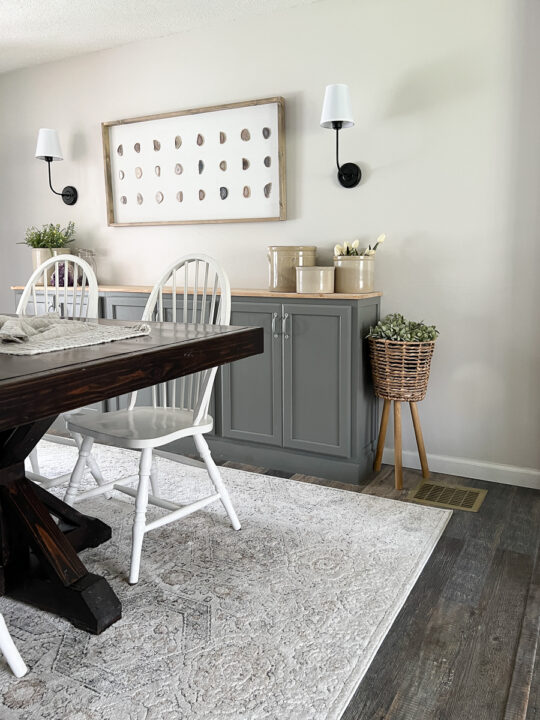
x: 398, y: 465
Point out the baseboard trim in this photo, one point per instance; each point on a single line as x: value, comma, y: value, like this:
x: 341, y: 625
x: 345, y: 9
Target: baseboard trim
x: 463, y: 467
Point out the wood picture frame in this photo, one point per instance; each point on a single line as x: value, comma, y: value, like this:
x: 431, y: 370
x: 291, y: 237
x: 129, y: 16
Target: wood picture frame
x: 218, y: 164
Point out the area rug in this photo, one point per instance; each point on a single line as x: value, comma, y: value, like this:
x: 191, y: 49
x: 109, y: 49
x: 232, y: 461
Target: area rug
x: 277, y: 621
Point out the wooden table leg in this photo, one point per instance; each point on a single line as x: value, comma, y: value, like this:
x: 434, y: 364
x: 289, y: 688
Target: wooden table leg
x: 382, y: 435
x: 39, y: 562
x: 419, y: 439
x: 398, y: 469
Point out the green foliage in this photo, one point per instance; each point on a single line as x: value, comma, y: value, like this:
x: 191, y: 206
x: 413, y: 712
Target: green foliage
x: 50, y: 236
x: 395, y: 327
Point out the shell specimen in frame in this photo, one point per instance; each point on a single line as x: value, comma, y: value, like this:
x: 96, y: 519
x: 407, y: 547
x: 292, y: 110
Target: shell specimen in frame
x: 157, y: 145
x: 180, y: 196
x: 177, y: 142
x: 200, y: 139
x: 121, y: 174
x: 223, y: 165
x: 139, y: 199
x: 245, y: 163
x: 222, y: 138
x: 178, y: 169
x: 123, y: 199
x: 247, y: 191
x: 159, y: 197
x: 137, y: 147
x: 266, y: 132
x: 202, y: 194
x: 267, y: 190
x: 120, y: 150
x: 201, y: 167
x: 138, y: 173
x: 158, y: 170
x: 223, y: 192
x: 267, y: 161
x: 245, y: 135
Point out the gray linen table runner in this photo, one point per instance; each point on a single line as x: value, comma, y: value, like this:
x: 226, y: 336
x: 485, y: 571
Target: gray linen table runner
x: 31, y: 335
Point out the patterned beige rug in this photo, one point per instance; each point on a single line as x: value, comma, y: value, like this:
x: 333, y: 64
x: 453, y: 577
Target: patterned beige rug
x: 277, y: 621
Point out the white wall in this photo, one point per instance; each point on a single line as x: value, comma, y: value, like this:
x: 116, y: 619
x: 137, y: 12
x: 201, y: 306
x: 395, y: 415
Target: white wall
x: 446, y: 102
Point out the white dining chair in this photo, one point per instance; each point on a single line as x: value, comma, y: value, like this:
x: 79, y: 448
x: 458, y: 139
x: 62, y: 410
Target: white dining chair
x: 179, y: 408
x: 10, y: 652
x: 49, y: 290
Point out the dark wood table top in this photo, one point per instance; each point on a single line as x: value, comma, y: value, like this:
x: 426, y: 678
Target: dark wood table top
x: 37, y: 386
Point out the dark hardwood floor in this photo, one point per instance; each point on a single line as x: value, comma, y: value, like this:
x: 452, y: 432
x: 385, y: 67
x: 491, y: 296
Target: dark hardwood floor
x: 465, y: 644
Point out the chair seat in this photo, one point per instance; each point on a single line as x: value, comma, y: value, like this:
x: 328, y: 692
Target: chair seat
x: 142, y: 427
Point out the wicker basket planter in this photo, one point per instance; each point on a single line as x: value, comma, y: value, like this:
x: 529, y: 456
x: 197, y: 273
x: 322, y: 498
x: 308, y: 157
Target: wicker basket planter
x: 400, y: 369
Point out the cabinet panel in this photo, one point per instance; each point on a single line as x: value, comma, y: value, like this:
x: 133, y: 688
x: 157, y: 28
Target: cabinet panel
x: 251, y: 388
x: 317, y: 379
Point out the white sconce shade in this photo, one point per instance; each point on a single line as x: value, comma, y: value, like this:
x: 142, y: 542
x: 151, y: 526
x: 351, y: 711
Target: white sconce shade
x: 337, y: 107
x: 48, y: 145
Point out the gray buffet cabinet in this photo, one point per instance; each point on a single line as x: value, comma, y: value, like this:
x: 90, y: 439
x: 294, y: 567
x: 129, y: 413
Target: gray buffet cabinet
x: 306, y: 404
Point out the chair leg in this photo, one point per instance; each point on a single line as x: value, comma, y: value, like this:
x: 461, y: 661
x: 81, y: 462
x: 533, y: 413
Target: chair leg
x: 398, y: 469
x: 10, y: 652
x: 215, y: 477
x: 382, y: 435
x: 139, y: 524
x: 419, y: 439
x: 154, y: 477
x: 34, y: 462
x: 91, y: 463
x: 78, y: 471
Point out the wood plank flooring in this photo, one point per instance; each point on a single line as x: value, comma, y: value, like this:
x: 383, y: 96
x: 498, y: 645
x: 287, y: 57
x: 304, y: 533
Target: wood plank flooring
x: 465, y: 645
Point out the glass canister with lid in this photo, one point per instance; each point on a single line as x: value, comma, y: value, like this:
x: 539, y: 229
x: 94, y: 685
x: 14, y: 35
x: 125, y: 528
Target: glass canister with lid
x: 89, y: 256
x: 284, y: 259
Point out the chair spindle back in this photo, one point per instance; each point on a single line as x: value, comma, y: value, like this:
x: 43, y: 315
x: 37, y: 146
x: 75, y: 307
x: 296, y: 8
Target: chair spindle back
x: 201, y: 288
x: 73, y: 296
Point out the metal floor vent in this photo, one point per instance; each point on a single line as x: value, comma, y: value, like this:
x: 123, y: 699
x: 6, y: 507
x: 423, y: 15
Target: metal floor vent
x: 455, y: 497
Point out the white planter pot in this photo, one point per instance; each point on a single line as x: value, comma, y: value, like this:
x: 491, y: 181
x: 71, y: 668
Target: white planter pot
x: 39, y: 255
x: 354, y: 273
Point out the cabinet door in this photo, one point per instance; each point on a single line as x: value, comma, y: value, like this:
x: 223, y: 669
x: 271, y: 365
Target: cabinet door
x: 317, y: 379
x: 251, y: 388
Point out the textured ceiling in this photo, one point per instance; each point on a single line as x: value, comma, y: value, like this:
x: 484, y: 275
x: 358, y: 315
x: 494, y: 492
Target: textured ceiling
x: 38, y: 31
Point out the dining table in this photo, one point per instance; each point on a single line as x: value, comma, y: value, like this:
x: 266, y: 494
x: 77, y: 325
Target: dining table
x: 41, y: 536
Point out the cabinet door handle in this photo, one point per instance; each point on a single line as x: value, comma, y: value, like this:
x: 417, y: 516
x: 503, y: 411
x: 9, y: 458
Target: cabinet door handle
x: 274, y: 331
x: 284, y: 326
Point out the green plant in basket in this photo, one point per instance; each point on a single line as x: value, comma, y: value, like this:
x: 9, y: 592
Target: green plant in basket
x: 396, y: 327
x: 50, y: 236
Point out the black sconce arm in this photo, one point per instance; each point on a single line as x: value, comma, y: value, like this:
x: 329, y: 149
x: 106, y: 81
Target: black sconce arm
x: 69, y: 193
x: 349, y: 174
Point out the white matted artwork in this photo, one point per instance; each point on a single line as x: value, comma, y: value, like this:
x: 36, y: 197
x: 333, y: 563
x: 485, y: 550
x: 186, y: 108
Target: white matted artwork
x: 217, y: 164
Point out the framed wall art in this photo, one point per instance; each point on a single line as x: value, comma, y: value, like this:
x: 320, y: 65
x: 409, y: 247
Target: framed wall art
x: 210, y: 165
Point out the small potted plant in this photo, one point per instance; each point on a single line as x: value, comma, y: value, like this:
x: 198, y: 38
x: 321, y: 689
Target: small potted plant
x: 401, y: 352
x: 49, y: 241
x: 355, y: 266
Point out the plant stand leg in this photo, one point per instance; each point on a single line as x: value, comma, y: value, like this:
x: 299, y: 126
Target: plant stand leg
x: 398, y: 470
x: 382, y: 435
x: 419, y: 439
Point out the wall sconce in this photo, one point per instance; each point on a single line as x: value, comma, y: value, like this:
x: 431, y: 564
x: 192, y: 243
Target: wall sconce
x: 337, y: 114
x: 48, y: 148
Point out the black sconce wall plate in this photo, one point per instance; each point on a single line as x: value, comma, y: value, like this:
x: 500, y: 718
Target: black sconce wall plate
x: 349, y: 175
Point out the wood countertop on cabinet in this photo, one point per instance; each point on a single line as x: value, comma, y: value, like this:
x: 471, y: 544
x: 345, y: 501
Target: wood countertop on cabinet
x: 240, y: 292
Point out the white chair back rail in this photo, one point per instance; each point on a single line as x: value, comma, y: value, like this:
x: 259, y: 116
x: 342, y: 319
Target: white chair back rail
x: 71, y: 301
x: 201, y: 287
